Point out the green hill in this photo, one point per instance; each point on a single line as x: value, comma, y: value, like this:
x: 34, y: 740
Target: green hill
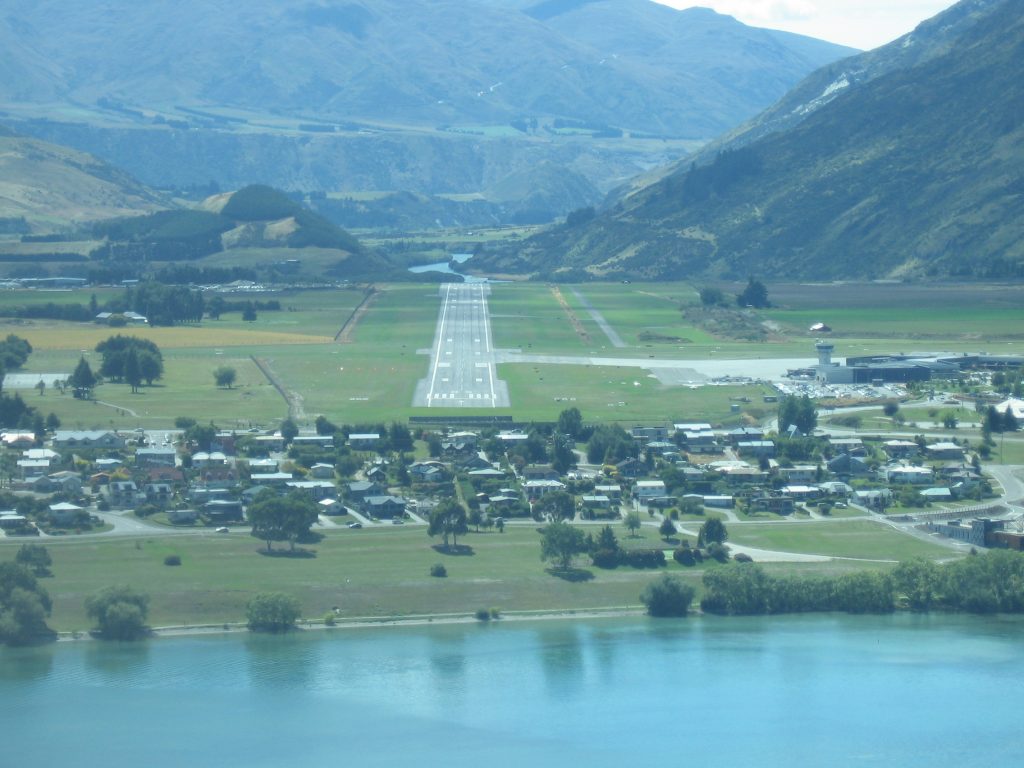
x: 914, y: 171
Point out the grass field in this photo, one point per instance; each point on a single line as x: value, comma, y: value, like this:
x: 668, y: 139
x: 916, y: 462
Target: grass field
x: 862, y: 539
x: 373, y: 377
x: 384, y: 571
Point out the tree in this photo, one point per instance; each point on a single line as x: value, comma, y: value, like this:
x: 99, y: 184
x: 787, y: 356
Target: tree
x: 917, y: 581
x: 668, y: 596
x: 632, y: 521
x: 891, y: 409
x: 561, y: 542
x: 559, y: 504
x: 249, y: 313
x: 289, y: 430
x: 282, y: 518
x: 272, y: 612
x: 120, y: 612
x: 82, y: 381
x: 35, y: 557
x: 224, y: 376
x: 606, y: 539
x: 712, y: 297
x: 712, y: 530
x: 797, y: 411
x: 949, y: 420
x: 754, y: 295
x: 448, y: 519
x: 151, y: 367
x: 24, y: 606
x: 215, y: 307
x: 132, y: 371
x: 667, y: 529
x: 41, y: 386
x: 570, y: 422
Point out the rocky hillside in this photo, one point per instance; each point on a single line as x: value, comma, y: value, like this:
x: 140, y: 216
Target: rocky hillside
x: 915, y: 170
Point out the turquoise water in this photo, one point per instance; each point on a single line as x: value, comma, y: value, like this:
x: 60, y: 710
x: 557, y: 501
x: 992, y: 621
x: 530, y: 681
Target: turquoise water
x: 794, y: 691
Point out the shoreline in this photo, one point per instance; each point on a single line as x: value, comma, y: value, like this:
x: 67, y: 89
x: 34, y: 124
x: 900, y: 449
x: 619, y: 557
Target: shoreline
x: 371, y: 622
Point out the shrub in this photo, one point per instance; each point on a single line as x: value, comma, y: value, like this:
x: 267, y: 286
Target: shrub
x: 605, y: 558
x: 438, y: 570
x: 717, y: 551
x: 667, y: 596
x: 272, y: 612
x: 742, y: 557
x: 644, y: 558
x: 172, y: 560
x: 329, y: 620
x: 495, y: 613
x: 483, y: 614
x: 120, y: 612
x: 684, y: 556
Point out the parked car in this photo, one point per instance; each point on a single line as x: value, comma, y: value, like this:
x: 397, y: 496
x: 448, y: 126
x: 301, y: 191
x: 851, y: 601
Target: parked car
x: 355, y: 525
x: 223, y: 529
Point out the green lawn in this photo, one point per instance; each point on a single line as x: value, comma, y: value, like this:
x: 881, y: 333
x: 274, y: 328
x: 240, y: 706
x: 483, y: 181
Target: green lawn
x: 854, y: 538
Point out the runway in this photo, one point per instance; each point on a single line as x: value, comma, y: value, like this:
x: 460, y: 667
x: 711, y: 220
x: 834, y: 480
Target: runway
x: 462, y: 372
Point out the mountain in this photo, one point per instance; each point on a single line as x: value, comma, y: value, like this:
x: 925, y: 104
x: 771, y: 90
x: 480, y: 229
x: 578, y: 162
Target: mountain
x: 45, y: 186
x: 907, y: 161
x: 431, y: 96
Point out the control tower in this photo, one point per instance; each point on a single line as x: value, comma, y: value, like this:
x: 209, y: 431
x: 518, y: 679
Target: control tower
x: 825, y: 350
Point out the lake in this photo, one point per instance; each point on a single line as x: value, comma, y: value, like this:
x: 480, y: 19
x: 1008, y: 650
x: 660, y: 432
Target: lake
x: 807, y: 690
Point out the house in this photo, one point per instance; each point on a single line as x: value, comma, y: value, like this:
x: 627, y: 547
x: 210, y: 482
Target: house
x: 204, y: 459
x: 945, y: 451
x: 158, y: 493
x: 490, y: 473
x: 539, y: 472
x: 936, y: 494
x: 719, y: 502
x: 360, y: 489
x: 534, y: 489
x: 263, y: 466
x: 218, y: 477
x: 459, y: 442
x: 702, y: 441
x: 779, y: 505
x: 18, y: 439
x: 66, y: 482
x: 597, y: 503
x: 613, y: 492
x: 907, y: 473
x: 271, y: 479
x: 428, y: 472
x: 901, y: 449
x: 631, y: 467
x: 646, y: 490
x: 223, y: 510
x: 799, y: 473
x: 384, y: 506
x: 12, y: 521
x: 744, y: 435
x: 475, y: 461
x: 159, y: 456
x: 330, y: 506
x: 315, y: 489
x: 662, y: 448
x: 854, y: 446
x: 182, y: 516
x: 875, y: 498
x: 322, y: 471
x: 509, y: 437
x: 313, y: 441
x: 695, y: 426
x: 171, y: 475
x: 28, y: 468
x: 109, y: 463
x: 743, y: 475
x: 64, y: 514
x: 846, y: 465
x: 364, y: 441
x: 268, y: 443
x: 122, y: 493
x: 647, y: 434
x: 377, y: 473
x: 756, y: 448
x: 87, y: 439
x: 802, y: 492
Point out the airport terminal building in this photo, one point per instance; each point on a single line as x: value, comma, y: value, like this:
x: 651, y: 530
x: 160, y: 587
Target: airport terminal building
x: 902, y: 369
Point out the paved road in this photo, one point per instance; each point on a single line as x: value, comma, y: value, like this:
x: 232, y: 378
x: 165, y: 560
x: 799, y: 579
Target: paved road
x: 462, y: 362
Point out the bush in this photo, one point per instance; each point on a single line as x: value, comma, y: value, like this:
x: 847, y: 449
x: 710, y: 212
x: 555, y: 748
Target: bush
x: 438, y: 570
x: 742, y: 557
x: 605, y: 558
x: 684, y: 556
x: 495, y: 613
x: 483, y: 614
x: 668, y: 596
x: 644, y: 558
x: 120, y: 612
x: 172, y: 560
x: 272, y: 612
x: 718, y: 552
x: 329, y: 619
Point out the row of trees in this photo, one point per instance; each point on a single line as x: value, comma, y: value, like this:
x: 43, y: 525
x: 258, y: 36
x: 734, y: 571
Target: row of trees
x: 989, y: 583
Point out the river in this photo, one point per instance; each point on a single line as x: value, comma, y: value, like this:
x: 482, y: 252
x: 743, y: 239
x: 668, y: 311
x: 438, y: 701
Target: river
x: 807, y: 691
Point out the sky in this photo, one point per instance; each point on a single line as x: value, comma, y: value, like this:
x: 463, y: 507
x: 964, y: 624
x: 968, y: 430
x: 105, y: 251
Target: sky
x: 861, y: 24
